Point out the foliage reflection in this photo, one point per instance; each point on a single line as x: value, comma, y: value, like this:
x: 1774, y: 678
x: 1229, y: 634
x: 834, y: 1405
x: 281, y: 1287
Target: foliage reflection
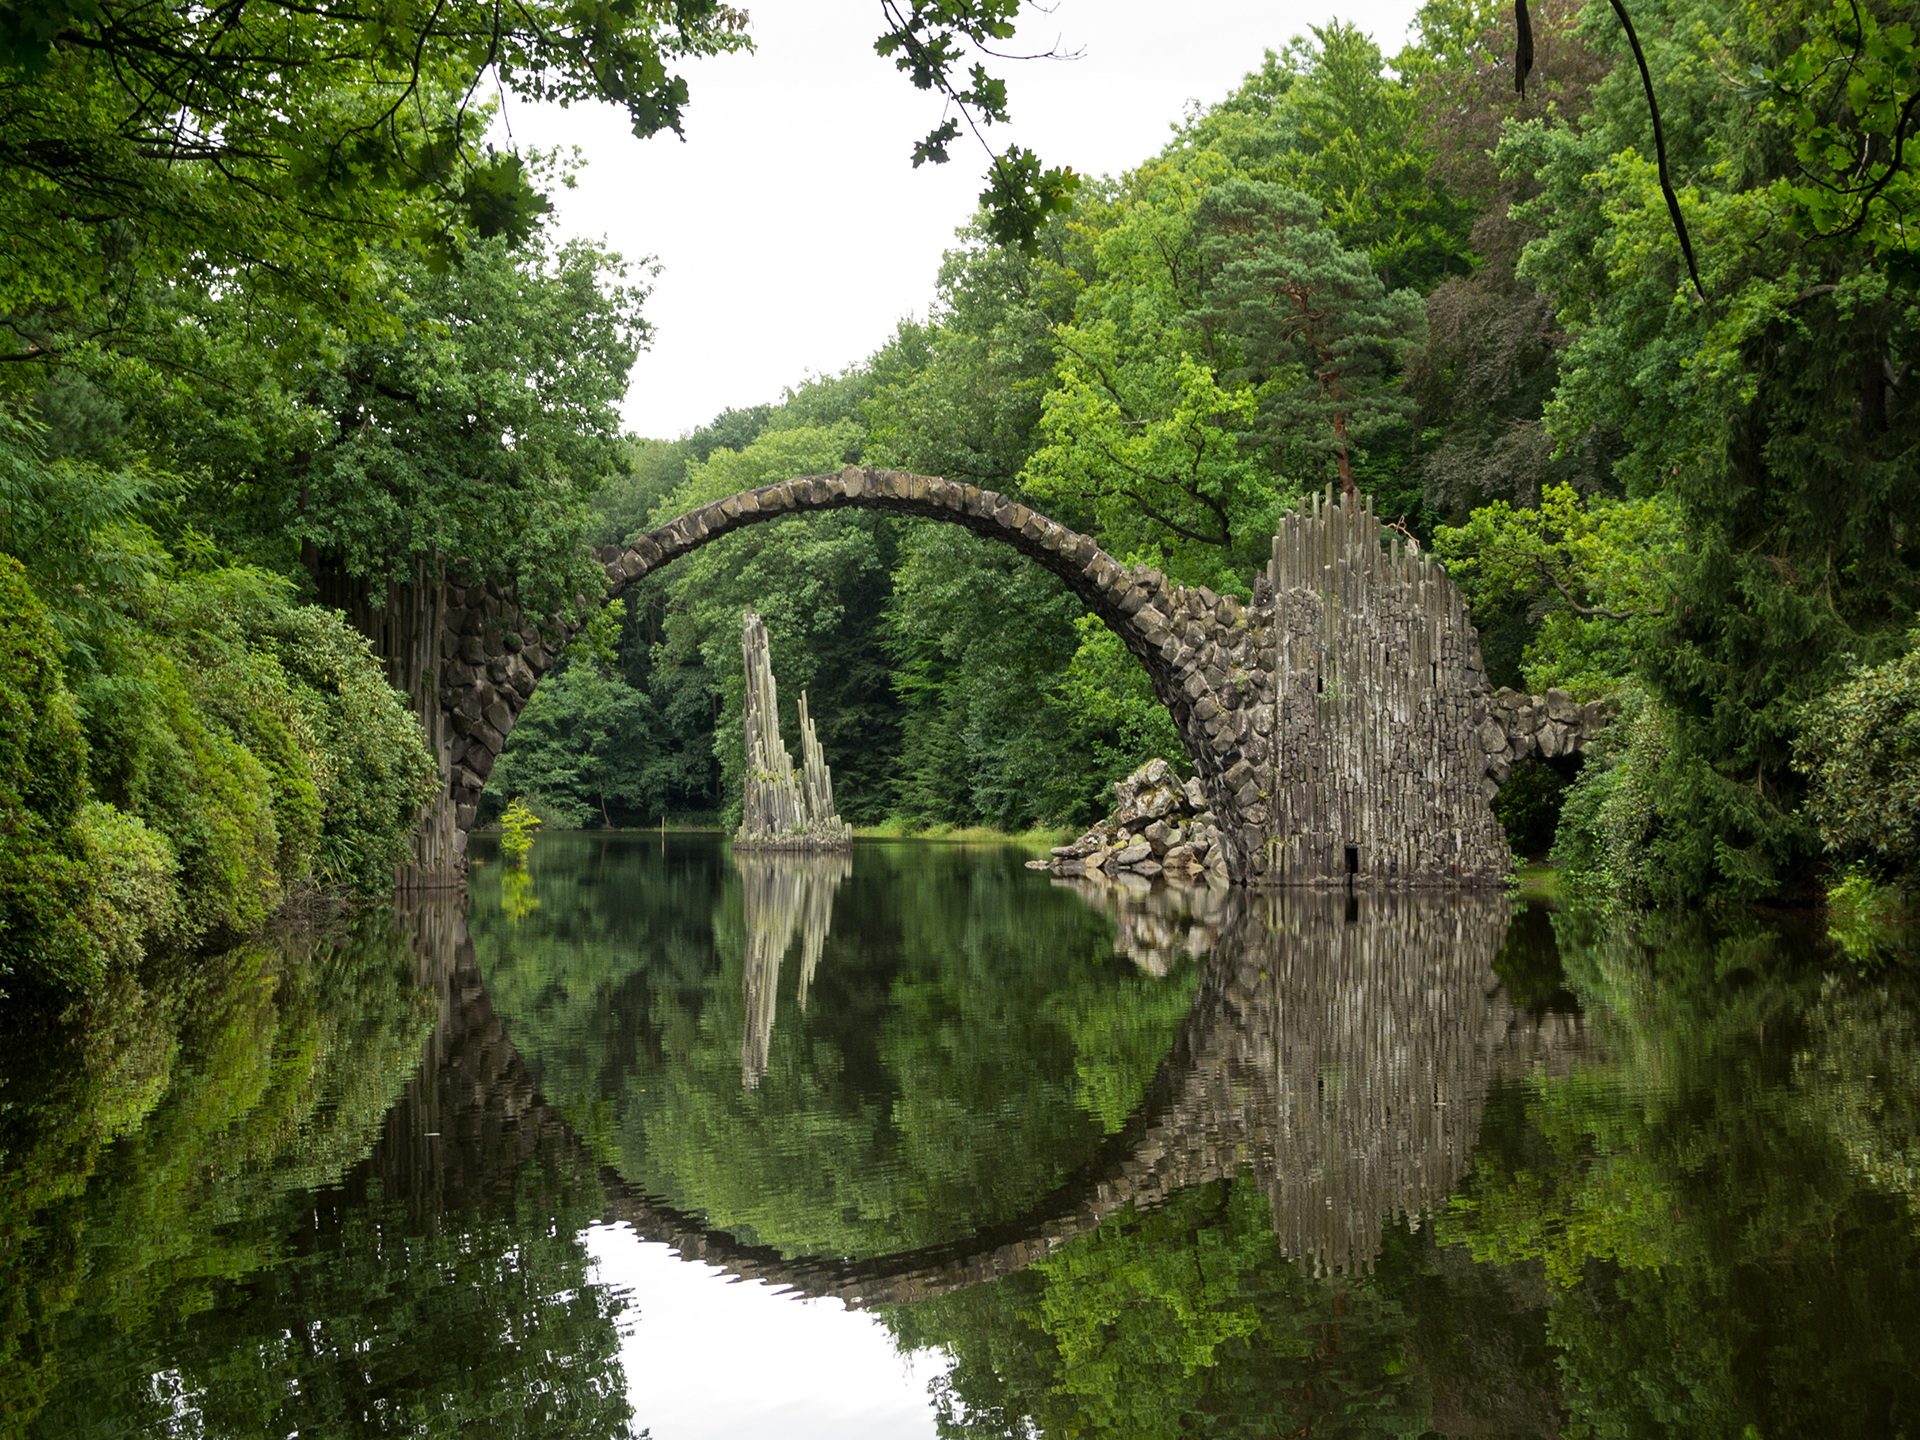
x: 824, y: 1057
x: 1704, y: 1224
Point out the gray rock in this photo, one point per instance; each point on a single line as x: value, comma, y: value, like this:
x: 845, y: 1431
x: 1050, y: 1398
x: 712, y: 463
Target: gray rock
x: 1553, y: 739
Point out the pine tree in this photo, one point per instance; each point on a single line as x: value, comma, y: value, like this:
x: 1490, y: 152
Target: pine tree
x: 1318, y: 332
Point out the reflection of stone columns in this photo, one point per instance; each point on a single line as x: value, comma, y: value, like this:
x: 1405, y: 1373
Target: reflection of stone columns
x: 1153, y: 922
x: 1373, y: 1028
x: 471, y: 1117
x: 781, y: 892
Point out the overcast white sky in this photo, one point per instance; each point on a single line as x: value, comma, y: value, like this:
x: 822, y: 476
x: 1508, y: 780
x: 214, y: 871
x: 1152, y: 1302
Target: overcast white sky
x: 793, y: 231
x: 709, y: 1359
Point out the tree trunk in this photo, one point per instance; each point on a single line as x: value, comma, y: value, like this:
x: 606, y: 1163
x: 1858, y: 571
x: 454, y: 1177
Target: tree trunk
x: 1346, y: 465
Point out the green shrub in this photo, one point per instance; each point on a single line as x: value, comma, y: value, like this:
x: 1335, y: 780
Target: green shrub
x: 261, y: 737
x: 1651, y: 821
x: 239, y: 746
x: 516, y: 832
x: 1611, y: 813
x: 372, y: 765
x: 1868, y: 920
x: 43, y: 781
x: 83, y: 888
x: 159, y: 754
x: 132, y: 905
x: 1860, y: 746
x: 248, y: 693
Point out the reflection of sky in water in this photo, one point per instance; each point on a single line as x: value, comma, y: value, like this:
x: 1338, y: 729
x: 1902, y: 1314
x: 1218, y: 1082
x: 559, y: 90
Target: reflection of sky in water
x: 706, y: 1359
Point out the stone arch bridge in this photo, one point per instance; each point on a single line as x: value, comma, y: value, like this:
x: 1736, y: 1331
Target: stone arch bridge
x: 1392, y: 995
x: 1341, y: 725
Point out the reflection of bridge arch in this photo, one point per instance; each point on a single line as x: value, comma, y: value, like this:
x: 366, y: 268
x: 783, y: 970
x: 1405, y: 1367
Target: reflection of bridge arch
x: 1344, y: 1062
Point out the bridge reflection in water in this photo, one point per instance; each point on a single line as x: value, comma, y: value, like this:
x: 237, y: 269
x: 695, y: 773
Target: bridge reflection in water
x: 1341, y: 1049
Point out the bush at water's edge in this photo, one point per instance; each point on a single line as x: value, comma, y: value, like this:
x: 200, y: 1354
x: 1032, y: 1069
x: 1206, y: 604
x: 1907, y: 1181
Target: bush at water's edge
x: 211, y: 750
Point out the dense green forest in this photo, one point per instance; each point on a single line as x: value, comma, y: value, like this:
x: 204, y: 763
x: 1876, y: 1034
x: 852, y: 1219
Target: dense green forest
x: 282, y: 338
x: 1697, y: 504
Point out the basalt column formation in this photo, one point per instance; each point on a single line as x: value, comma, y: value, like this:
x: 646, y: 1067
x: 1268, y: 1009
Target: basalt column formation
x: 782, y: 810
x: 1340, y: 726
x: 1377, y: 693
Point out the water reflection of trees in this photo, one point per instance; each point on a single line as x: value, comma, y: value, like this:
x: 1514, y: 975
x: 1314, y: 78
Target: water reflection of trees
x: 215, y: 1215
x: 1340, y: 1048
x: 781, y: 892
x: 1693, y: 1215
x: 967, y: 1040
x: 1332, y: 1077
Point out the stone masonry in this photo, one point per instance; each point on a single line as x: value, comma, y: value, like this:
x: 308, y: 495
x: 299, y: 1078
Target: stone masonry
x: 1340, y: 727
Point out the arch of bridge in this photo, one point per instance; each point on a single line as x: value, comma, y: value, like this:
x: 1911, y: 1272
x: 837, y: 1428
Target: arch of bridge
x: 1341, y: 727
x: 493, y: 658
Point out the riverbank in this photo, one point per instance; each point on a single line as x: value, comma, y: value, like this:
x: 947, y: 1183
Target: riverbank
x: 1040, y: 839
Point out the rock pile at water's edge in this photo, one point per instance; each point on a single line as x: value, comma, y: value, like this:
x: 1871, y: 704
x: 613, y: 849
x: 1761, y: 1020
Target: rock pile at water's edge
x: 1159, y: 826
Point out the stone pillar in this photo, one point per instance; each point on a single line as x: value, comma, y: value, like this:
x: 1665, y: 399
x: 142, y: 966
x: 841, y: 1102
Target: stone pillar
x: 779, y: 809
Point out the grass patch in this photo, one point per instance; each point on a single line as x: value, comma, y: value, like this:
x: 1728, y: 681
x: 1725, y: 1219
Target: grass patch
x: 1537, y: 881
x: 1039, y: 839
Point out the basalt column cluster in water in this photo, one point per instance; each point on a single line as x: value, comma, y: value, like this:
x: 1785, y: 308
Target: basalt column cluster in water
x: 1341, y: 725
x: 1375, y: 678
x: 781, y: 808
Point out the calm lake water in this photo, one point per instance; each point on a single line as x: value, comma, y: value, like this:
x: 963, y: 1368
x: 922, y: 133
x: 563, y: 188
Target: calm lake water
x: 653, y: 1139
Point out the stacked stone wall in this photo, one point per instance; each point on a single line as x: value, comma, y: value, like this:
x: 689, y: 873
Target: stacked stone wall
x: 492, y: 656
